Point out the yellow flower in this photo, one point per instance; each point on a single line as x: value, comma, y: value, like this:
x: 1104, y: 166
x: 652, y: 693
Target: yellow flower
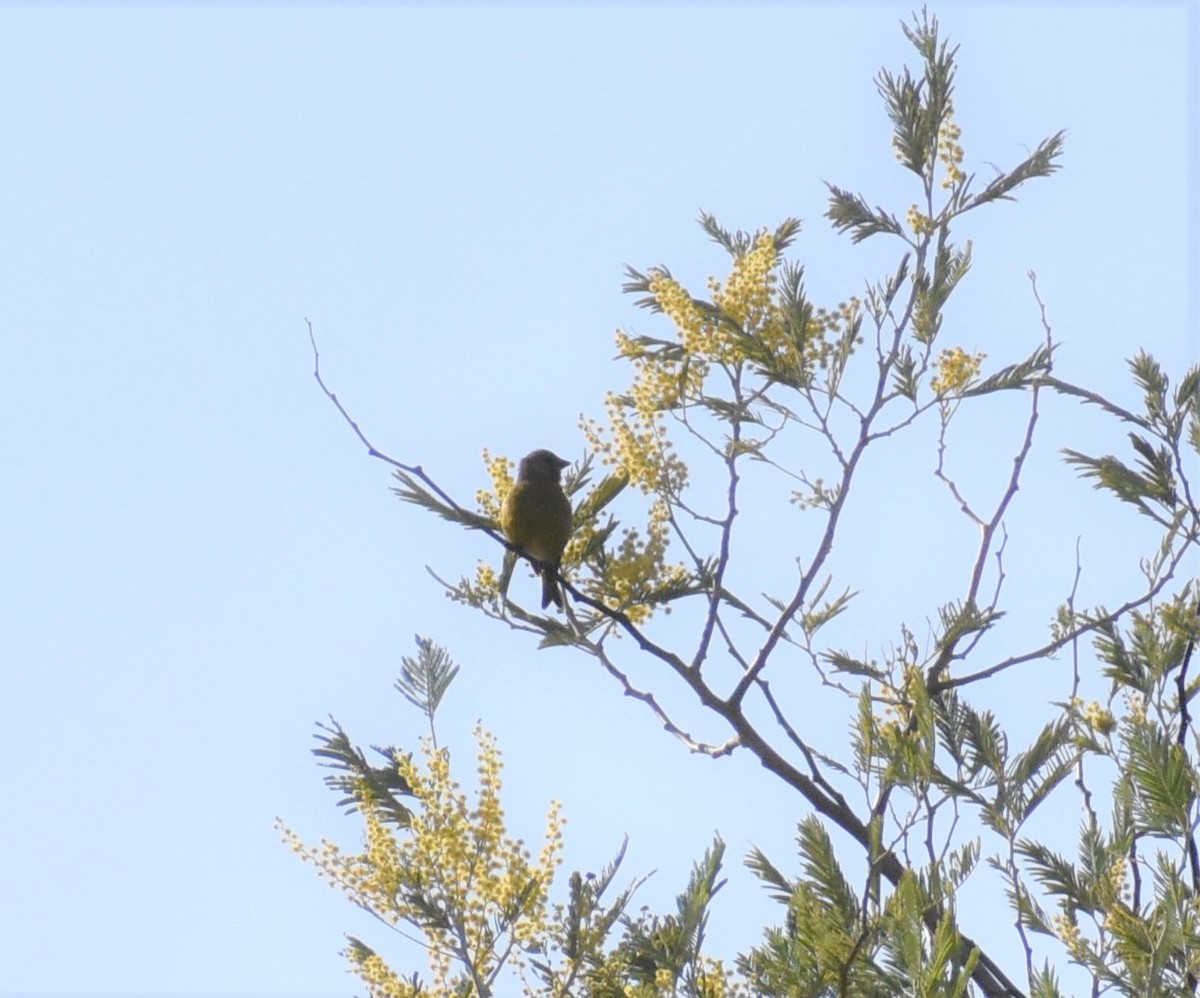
x: 501, y: 470
x: 453, y: 858
x: 918, y: 222
x: 746, y: 297
x: 745, y: 328
x: 1067, y: 930
x: 1099, y: 718
x: 950, y: 153
x: 955, y: 370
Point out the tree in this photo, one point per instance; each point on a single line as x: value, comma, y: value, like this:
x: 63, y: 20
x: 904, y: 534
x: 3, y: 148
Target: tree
x: 716, y: 408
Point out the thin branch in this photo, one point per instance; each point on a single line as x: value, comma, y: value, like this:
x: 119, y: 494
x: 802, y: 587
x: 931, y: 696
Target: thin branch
x: 985, y: 542
x: 731, y: 512
x: 1048, y: 649
x: 692, y: 744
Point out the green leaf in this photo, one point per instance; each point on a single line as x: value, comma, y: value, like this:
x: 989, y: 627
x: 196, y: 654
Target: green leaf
x: 1045, y: 748
x: 1045, y: 983
x: 1109, y: 473
x: 817, y: 616
x: 987, y: 741
x: 363, y: 785
x: 587, y: 924
x: 950, y: 267
x: 850, y: 213
x: 842, y: 661
x: 1161, y: 779
x: 1157, y: 470
x: 1020, y: 375
x: 692, y: 904
x: 1148, y: 376
x: 1043, y: 766
x: 1042, y: 162
x: 1055, y: 874
x: 959, y: 620
x: 424, y: 680
x: 904, y: 373
x: 778, y: 886
x: 411, y: 490
x: 823, y: 873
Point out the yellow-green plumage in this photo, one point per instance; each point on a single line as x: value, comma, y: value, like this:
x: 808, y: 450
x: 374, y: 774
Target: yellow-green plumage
x: 536, y: 517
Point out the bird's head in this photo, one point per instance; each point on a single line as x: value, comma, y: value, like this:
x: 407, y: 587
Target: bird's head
x: 541, y: 465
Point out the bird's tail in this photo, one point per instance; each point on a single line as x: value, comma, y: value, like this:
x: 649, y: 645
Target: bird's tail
x: 551, y: 591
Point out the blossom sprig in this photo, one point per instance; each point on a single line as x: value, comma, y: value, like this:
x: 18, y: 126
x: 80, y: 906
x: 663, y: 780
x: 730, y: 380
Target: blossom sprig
x: 454, y: 874
x: 920, y: 223
x: 950, y: 151
x: 500, y: 469
x: 956, y: 369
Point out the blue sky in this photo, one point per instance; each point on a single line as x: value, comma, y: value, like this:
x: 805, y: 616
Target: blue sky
x: 199, y: 560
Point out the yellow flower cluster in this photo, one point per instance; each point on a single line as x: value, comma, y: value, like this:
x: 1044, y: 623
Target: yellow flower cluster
x: 485, y: 578
x: 721, y: 983
x: 380, y: 979
x: 637, y: 445
x: 949, y: 151
x: 640, y: 564
x: 454, y: 859
x: 955, y: 370
x: 920, y: 223
x: 1067, y: 930
x: 698, y: 332
x: 1113, y: 885
x: 714, y: 982
x: 660, y: 384
x: 482, y: 591
x: 501, y: 470
x: 745, y: 306
x: 743, y: 324
x: 1099, y: 718
x: 637, y: 441
x: 748, y: 295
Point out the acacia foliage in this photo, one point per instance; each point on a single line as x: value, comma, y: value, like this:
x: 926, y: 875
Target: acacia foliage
x: 746, y: 376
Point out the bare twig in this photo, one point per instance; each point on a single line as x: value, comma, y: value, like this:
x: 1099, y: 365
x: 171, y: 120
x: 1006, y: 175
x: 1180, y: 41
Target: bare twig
x: 669, y: 726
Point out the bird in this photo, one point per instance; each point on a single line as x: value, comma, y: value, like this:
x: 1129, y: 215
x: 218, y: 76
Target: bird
x: 536, y: 519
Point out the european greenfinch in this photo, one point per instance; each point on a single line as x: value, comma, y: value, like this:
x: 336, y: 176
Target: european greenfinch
x: 536, y: 518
